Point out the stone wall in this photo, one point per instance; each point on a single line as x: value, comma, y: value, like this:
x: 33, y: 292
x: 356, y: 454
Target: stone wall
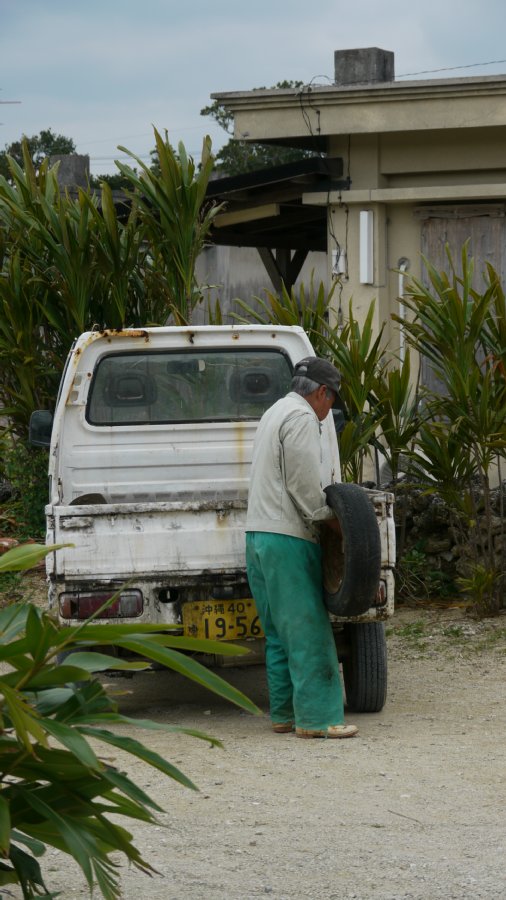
x: 426, y: 524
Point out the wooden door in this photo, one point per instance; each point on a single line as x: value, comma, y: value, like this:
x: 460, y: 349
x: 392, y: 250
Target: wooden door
x: 484, y: 226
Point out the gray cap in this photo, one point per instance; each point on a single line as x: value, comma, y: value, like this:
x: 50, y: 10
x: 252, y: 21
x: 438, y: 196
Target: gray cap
x: 320, y: 370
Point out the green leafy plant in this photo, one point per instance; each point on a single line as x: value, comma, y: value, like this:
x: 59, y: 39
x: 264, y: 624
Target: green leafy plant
x: 307, y: 308
x: 176, y: 219
x: 460, y: 331
x: 353, y: 349
x: 26, y: 470
x: 399, y: 411
x: 480, y: 584
x: 68, y: 264
x: 30, y: 351
x: 359, y: 355
x: 59, y: 278
x: 414, y: 633
x: 417, y: 582
x: 56, y: 789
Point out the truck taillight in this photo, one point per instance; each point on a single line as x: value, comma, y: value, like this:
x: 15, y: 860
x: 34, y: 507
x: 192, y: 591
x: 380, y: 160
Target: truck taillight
x: 82, y: 605
x: 381, y: 595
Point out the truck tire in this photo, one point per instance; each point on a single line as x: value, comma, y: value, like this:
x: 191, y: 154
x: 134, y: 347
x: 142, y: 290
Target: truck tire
x: 365, y: 667
x: 351, y: 567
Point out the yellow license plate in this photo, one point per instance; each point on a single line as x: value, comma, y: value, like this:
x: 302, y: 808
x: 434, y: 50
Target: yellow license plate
x: 227, y: 620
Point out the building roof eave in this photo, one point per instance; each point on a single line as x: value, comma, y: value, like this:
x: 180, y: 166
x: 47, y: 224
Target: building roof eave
x: 355, y: 93
x: 307, y: 118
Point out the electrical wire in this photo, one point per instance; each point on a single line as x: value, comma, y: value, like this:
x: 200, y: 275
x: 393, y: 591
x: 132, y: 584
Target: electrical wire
x: 345, y: 275
x: 306, y: 107
x: 492, y: 62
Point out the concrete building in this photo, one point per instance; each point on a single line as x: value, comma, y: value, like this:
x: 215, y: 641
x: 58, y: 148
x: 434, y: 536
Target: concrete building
x: 423, y: 164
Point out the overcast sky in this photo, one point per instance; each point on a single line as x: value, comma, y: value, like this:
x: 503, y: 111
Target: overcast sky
x: 104, y: 71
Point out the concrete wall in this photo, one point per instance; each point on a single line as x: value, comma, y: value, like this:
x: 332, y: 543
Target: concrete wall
x: 73, y: 169
x: 238, y: 272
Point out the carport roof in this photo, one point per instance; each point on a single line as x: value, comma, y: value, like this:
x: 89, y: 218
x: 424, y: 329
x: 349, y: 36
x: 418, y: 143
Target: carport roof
x: 272, y: 207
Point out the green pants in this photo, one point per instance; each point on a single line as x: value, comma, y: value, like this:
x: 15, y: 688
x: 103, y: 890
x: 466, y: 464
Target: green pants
x: 285, y: 578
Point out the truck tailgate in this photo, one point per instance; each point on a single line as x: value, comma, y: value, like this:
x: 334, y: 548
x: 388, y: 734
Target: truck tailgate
x: 114, y: 540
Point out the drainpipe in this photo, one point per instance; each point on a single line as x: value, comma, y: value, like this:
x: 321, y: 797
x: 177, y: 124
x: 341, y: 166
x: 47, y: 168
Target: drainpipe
x: 403, y: 266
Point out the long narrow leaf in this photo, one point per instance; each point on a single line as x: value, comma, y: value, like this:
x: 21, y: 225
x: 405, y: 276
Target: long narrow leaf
x: 23, y: 718
x: 197, y: 672
x: 5, y: 826
x: 77, y: 840
x: 29, y: 873
x: 26, y: 556
x: 134, y: 747
x: 73, y: 741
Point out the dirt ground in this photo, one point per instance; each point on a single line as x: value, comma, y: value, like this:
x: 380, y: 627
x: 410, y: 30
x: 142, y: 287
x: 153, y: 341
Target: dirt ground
x: 413, y: 807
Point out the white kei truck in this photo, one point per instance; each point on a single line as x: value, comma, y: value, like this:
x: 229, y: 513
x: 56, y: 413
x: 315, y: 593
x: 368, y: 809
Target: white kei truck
x: 150, y: 449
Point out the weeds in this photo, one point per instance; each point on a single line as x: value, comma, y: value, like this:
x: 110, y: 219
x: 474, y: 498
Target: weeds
x: 455, y: 632
x: 10, y: 588
x: 461, y: 638
x: 417, y: 581
x: 413, y: 633
x: 495, y: 639
x: 26, y: 470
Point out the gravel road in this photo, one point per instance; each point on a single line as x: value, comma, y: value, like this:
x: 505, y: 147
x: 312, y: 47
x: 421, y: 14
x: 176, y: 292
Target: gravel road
x: 412, y: 808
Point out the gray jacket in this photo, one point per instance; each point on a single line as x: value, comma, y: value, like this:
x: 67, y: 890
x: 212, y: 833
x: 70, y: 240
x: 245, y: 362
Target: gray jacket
x: 285, y: 494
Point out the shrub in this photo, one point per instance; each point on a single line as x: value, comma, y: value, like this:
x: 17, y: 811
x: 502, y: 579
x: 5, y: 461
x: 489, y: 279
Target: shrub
x: 26, y: 470
x: 461, y: 333
x: 55, y: 790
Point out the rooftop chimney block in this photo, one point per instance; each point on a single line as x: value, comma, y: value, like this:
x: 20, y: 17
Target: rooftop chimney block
x: 74, y: 169
x: 367, y: 66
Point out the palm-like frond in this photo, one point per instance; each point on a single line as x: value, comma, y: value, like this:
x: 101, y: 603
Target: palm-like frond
x: 61, y: 792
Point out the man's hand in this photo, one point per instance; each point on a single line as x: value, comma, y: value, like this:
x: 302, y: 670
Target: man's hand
x: 334, y: 524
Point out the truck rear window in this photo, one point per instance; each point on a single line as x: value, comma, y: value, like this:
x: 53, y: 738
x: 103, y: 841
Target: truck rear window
x: 191, y: 386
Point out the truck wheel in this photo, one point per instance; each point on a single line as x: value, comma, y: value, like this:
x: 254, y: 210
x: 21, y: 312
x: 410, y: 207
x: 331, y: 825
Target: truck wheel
x: 365, y: 667
x: 351, y: 567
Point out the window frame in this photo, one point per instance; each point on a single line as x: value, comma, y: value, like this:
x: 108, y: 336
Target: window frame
x: 176, y: 351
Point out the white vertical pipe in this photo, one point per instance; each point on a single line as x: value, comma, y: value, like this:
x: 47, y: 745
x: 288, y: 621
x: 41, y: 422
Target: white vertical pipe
x: 366, y: 246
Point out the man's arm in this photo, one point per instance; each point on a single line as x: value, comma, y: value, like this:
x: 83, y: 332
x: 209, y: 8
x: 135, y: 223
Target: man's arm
x: 301, y: 467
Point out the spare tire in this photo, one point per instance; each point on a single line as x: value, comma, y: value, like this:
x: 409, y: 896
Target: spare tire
x: 351, y: 565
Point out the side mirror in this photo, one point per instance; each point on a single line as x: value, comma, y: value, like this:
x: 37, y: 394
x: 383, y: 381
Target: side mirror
x: 41, y: 425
